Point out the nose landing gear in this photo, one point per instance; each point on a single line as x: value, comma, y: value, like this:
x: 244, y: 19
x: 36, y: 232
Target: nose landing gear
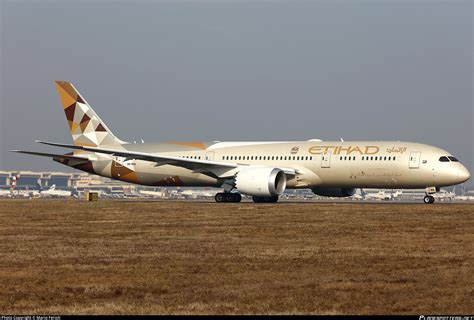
x: 428, y: 199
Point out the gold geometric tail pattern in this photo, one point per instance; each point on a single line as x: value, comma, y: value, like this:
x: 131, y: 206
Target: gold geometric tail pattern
x: 87, y: 129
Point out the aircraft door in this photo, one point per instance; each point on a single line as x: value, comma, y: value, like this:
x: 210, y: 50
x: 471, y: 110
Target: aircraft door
x: 415, y: 160
x: 209, y: 156
x: 120, y: 162
x: 326, y: 160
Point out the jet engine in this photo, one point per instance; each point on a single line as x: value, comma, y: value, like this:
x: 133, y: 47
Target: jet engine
x: 260, y: 181
x: 334, y: 192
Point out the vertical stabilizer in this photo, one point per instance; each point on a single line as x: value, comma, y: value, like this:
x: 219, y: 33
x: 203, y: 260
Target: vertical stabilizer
x: 87, y: 129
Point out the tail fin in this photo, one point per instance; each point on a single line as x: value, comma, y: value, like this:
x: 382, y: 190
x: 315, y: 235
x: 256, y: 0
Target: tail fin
x: 87, y: 129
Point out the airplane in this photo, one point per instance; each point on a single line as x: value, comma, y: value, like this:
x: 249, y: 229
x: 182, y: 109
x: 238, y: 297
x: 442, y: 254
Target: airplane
x: 192, y: 194
x: 5, y: 193
x: 444, y: 195
x: 380, y: 195
x: 30, y: 193
x: 154, y: 194
x: 262, y: 170
x: 22, y: 193
x: 463, y: 196
x: 52, y: 192
x: 397, y: 194
x: 359, y: 194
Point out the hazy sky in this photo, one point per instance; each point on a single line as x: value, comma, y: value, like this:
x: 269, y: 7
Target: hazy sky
x: 239, y: 70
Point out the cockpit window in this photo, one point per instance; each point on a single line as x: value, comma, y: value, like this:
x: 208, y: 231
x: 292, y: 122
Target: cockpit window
x: 444, y: 159
x: 453, y: 159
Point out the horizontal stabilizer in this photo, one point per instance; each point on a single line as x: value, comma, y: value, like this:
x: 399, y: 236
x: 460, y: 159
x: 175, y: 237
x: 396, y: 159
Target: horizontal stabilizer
x: 63, y: 145
x: 51, y: 155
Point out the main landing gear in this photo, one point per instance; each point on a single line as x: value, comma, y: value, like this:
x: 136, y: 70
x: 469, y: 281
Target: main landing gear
x: 228, y: 197
x: 428, y: 199
x: 265, y: 199
x: 235, y: 197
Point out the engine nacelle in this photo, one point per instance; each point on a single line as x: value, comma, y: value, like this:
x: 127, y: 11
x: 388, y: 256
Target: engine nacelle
x: 334, y: 192
x: 260, y: 181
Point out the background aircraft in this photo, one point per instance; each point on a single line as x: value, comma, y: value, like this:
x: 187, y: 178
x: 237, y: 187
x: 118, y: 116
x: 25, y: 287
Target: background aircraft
x: 55, y: 193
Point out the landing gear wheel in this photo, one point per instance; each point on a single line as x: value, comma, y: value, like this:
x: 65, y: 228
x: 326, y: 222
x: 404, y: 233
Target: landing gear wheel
x: 428, y: 199
x: 228, y: 197
x: 237, y: 197
x: 265, y: 199
x: 220, y: 197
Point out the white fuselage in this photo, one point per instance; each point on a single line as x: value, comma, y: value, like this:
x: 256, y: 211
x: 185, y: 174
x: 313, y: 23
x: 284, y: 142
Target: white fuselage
x: 349, y: 164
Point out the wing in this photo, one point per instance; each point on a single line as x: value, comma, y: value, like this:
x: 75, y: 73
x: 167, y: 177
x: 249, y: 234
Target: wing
x: 214, y: 168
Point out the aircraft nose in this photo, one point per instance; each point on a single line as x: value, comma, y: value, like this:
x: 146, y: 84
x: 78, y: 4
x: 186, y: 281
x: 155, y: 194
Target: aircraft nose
x: 463, y: 174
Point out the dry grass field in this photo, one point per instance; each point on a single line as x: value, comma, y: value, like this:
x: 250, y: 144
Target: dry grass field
x: 124, y: 257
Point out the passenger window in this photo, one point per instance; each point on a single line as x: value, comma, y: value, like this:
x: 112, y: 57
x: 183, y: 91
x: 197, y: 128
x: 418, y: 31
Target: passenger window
x: 444, y: 159
x: 453, y: 159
